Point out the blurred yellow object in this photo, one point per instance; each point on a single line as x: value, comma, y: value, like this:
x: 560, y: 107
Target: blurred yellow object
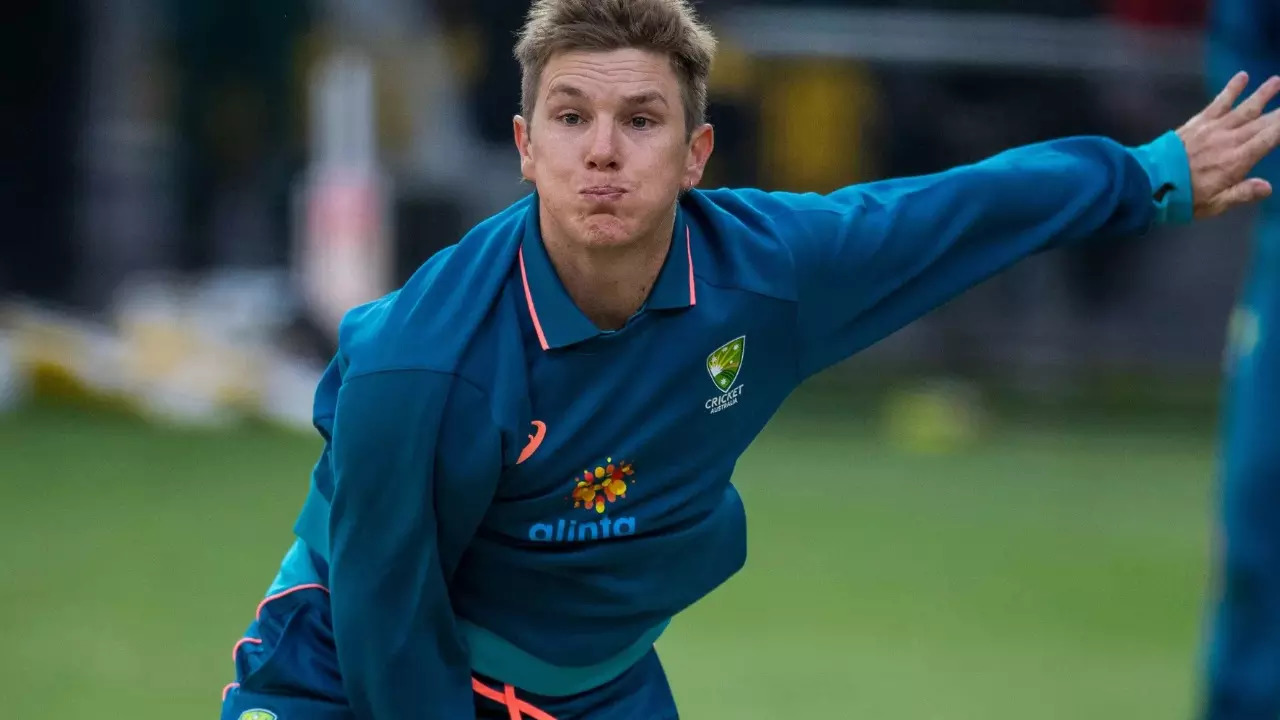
x: 61, y: 358
x: 183, y: 372
x: 938, y: 418
x: 54, y: 380
x: 157, y: 347
x: 816, y: 115
x: 160, y: 360
x: 733, y: 74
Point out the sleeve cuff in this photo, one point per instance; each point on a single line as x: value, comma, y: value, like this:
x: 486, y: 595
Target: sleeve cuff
x: 1167, y: 167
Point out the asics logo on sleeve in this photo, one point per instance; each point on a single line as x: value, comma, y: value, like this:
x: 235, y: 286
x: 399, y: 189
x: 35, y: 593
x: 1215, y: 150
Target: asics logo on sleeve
x: 535, y: 441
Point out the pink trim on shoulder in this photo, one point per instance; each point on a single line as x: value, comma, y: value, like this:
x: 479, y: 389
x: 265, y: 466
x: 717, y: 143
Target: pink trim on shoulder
x: 688, y: 248
x: 528, y: 298
x: 287, y: 591
x: 242, y: 641
x: 258, y: 615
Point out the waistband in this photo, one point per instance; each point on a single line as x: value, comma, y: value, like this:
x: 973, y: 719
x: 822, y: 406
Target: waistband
x: 491, y: 654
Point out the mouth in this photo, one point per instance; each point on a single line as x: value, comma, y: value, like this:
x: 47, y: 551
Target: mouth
x: 603, y: 193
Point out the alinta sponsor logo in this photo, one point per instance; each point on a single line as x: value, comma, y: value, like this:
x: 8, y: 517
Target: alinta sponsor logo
x: 596, y: 490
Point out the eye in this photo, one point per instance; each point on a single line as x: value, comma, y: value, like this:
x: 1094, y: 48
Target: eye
x: 640, y: 122
x: 571, y: 119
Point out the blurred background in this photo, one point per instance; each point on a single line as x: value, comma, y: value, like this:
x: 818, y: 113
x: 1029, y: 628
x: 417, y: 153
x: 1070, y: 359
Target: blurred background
x: 1003, y: 511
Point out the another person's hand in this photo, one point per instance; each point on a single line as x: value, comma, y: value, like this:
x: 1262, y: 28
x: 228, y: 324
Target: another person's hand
x: 1225, y: 141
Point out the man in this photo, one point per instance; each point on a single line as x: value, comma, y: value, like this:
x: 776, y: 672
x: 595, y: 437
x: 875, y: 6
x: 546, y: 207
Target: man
x: 1243, y: 673
x: 528, y: 447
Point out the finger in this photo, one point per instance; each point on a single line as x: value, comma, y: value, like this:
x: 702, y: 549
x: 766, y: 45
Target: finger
x: 1227, y: 97
x: 1249, y: 191
x: 1263, y: 136
x: 1251, y: 108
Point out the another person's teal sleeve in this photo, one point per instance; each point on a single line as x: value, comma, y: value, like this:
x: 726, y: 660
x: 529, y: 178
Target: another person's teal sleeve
x: 402, y: 514
x: 1245, y: 35
x: 872, y: 258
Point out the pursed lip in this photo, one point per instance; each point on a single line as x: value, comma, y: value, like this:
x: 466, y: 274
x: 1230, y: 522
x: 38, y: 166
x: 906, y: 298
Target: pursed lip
x: 603, y: 191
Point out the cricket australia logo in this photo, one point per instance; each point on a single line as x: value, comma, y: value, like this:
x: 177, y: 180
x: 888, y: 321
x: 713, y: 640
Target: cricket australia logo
x: 723, y: 365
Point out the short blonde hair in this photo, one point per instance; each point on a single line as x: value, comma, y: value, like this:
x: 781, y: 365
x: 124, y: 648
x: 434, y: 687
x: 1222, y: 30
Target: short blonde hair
x: 670, y: 27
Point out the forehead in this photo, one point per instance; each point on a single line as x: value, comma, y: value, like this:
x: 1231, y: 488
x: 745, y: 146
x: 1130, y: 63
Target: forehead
x: 607, y: 73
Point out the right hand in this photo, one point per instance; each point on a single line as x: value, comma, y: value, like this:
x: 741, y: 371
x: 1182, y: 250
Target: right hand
x: 1224, y: 142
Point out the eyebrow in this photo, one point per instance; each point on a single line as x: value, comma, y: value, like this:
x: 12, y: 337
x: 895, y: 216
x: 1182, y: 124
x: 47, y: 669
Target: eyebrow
x: 569, y: 90
x: 641, y: 98
x: 645, y: 98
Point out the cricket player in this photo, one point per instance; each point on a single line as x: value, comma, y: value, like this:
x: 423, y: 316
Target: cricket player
x: 1243, y: 669
x: 528, y: 447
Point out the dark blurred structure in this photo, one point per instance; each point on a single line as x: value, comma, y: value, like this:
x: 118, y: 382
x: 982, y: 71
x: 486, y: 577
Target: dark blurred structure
x: 44, y: 48
x: 175, y: 137
x: 239, y: 117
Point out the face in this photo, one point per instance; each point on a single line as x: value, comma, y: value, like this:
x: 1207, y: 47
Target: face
x: 607, y: 146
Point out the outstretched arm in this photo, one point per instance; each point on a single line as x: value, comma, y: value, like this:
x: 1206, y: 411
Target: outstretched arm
x: 871, y: 258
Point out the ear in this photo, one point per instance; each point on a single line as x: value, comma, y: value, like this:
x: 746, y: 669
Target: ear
x: 520, y: 129
x: 700, y: 147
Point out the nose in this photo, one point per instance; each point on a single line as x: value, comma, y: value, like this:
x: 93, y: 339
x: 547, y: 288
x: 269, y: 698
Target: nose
x: 602, y: 153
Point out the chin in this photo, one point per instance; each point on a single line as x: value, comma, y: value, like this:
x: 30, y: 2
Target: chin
x: 605, y: 231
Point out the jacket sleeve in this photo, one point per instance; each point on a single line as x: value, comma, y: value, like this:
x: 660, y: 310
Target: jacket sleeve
x: 398, y: 646
x: 871, y: 258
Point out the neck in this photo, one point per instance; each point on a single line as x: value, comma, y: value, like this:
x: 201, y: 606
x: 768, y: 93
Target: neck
x: 608, y: 285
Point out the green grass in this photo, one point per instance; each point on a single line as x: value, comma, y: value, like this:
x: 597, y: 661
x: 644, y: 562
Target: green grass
x: 1056, y: 570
